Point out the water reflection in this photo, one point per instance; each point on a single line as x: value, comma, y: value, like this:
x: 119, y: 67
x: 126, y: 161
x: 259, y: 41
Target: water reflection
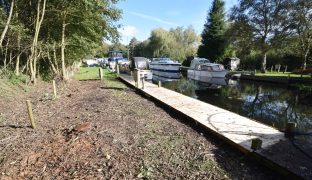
x: 268, y: 103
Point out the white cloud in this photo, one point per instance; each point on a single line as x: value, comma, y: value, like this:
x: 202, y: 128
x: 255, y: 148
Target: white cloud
x: 152, y: 18
x: 128, y: 31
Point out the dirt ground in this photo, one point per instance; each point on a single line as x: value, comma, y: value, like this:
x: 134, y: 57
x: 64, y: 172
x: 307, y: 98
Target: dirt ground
x: 122, y: 135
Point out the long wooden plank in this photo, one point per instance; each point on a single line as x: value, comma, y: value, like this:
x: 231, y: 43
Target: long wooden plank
x: 236, y: 129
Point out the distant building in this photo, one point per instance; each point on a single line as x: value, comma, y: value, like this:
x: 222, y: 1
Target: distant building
x: 232, y: 63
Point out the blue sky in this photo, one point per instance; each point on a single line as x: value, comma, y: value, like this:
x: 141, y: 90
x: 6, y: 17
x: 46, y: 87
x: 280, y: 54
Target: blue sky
x: 141, y: 16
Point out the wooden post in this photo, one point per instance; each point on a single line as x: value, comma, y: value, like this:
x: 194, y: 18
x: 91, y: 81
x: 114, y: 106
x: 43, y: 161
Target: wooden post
x: 101, y: 73
x: 256, y: 144
x: 159, y: 83
x: 54, y: 88
x: 137, y: 77
x: 30, y: 113
x: 290, y: 129
x: 285, y: 69
x: 142, y: 79
x: 117, y: 69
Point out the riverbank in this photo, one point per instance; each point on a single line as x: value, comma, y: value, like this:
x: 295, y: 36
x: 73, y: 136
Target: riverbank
x: 123, y: 136
x: 237, y: 131
x: 277, y: 79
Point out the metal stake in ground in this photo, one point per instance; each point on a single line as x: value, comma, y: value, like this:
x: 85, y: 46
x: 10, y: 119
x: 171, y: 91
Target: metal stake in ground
x: 30, y: 113
x: 54, y: 88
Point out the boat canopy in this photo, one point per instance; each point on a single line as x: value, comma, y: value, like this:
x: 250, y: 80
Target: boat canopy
x: 196, y: 61
x: 162, y: 60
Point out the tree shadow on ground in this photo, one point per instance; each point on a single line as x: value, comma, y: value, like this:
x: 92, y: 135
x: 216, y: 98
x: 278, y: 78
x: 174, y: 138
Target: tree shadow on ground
x: 15, y: 126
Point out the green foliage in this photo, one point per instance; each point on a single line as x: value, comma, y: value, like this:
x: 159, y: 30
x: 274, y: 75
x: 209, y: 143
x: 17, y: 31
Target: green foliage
x: 87, y: 23
x: 214, y: 42
x: 132, y: 47
x: 12, y: 78
x: 262, y: 22
x: 303, y: 87
x: 178, y: 44
x: 300, y: 22
x: 102, y: 51
x: 118, y: 47
x: 187, y: 62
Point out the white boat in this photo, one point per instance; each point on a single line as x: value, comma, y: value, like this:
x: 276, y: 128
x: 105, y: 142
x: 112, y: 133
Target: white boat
x: 141, y: 63
x: 202, y: 70
x: 165, y: 67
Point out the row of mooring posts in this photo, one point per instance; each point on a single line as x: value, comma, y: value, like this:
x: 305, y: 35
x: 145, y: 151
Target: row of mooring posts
x: 138, y: 79
x: 256, y: 143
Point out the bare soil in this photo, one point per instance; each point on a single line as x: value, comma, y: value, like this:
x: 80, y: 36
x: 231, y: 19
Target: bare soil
x: 93, y: 131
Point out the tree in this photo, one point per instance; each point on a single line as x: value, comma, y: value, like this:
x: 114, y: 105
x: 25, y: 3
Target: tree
x: 7, y: 23
x: 266, y: 19
x: 178, y: 43
x: 213, y: 39
x: 80, y: 27
x: 185, y: 43
x: 34, y: 54
x: 132, y: 47
x: 46, y: 35
x: 159, y: 42
x: 301, y: 23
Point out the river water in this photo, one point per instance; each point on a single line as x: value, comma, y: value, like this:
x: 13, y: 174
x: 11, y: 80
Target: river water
x: 271, y: 104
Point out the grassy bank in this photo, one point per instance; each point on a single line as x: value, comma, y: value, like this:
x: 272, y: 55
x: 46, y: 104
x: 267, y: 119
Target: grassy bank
x: 11, y: 85
x: 281, y: 74
x: 92, y: 73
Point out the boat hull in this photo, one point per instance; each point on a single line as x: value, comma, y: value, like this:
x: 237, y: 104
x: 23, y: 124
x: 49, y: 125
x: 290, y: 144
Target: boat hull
x: 205, y: 76
x: 166, y: 70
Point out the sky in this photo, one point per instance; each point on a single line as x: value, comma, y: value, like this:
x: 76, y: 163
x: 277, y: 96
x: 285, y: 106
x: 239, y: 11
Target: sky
x: 140, y: 17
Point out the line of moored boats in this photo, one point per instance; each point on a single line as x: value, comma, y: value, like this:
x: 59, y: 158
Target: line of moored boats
x: 200, y: 69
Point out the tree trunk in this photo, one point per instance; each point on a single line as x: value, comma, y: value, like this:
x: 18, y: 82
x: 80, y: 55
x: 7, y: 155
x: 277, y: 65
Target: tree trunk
x: 10, y: 60
x: 263, y: 65
x: 7, y: 24
x: 63, y: 51
x: 52, y: 65
x: 17, y: 72
x: 55, y: 57
x: 34, y: 51
x: 6, y: 55
x: 304, y: 63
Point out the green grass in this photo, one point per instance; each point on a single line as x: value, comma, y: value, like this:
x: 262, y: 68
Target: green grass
x: 281, y: 74
x: 12, y: 85
x: 87, y: 73
x: 92, y: 73
x: 303, y: 87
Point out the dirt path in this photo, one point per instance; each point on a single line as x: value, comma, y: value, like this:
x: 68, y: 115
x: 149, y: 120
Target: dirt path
x: 122, y: 136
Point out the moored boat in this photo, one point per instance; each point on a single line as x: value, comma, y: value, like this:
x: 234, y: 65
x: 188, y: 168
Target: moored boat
x: 165, y: 67
x: 202, y: 70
